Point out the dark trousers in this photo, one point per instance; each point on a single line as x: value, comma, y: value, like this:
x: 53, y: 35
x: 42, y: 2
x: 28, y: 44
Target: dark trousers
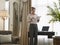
x: 33, y: 34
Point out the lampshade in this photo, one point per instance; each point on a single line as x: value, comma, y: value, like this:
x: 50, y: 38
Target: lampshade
x: 3, y: 13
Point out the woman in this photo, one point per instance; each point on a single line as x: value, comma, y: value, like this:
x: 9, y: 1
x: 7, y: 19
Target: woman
x: 33, y: 29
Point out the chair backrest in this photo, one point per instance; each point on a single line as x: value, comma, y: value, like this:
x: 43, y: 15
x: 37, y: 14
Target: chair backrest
x: 45, y: 28
x: 5, y: 32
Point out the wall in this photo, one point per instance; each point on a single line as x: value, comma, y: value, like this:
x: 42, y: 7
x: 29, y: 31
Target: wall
x: 2, y: 6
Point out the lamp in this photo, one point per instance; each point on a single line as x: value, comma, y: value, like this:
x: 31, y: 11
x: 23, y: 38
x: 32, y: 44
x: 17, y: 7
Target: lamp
x: 3, y: 15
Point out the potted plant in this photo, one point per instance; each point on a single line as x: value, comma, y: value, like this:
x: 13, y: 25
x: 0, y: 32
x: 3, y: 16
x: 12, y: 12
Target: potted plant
x: 54, y: 12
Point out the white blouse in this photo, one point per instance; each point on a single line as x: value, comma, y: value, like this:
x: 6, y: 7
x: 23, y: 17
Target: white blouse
x: 33, y: 19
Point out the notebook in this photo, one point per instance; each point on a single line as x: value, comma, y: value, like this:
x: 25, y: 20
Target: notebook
x: 45, y: 28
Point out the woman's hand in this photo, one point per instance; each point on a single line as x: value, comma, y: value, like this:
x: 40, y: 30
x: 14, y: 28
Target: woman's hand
x: 38, y: 18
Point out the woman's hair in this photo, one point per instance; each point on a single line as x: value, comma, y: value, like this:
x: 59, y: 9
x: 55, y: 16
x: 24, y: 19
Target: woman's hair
x: 32, y: 8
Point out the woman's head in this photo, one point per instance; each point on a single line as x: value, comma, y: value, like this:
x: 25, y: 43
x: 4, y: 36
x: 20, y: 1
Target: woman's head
x: 32, y: 9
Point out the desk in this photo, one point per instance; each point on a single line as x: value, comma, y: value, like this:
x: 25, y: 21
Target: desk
x: 49, y: 34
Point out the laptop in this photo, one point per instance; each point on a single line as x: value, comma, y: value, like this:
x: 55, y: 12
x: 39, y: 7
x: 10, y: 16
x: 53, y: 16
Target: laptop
x: 45, y: 28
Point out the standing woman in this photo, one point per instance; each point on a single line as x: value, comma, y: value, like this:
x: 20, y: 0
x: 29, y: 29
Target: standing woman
x: 33, y: 29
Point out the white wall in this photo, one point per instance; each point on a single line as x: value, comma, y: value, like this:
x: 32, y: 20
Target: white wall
x: 2, y: 6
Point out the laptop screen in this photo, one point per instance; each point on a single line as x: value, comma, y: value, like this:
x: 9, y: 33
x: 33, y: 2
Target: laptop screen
x: 45, y: 28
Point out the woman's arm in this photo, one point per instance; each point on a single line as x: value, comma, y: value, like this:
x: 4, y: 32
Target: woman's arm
x: 29, y: 19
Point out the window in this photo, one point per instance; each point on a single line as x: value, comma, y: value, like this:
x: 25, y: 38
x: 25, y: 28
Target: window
x: 42, y: 10
x: 7, y: 19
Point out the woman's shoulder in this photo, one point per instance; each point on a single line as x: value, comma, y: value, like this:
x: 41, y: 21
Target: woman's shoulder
x: 29, y: 14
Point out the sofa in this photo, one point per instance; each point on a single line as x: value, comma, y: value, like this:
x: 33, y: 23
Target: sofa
x: 5, y: 37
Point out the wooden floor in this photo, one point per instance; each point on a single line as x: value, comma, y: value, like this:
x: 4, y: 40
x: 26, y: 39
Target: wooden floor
x: 42, y: 40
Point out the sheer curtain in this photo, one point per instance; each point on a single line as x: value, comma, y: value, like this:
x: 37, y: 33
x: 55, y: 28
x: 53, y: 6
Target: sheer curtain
x: 42, y: 10
x: 7, y: 19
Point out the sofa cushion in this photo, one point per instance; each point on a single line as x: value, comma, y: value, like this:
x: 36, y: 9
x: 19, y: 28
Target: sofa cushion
x: 5, y: 38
